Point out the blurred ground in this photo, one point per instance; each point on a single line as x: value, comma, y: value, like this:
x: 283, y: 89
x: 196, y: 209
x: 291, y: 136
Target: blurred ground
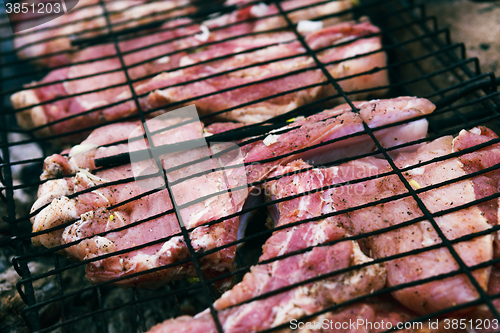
x: 475, y: 23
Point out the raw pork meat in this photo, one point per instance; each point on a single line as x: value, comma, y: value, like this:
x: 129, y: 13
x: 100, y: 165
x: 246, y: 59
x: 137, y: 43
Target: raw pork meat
x: 155, y: 91
x: 488, y: 183
x: 144, y: 220
x: 264, y: 278
x: 87, y: 20
x: 253, y: 15
x: 431, y: 296
x: 70, y: 82
x: 185, y: 84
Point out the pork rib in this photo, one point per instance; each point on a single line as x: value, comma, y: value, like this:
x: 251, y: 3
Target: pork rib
x: 67, y: 203
x: 157, y: 93
x: 432, y: 296
x: 307, y: 299
x: 87, y: 20
x: 488, y: 183
x: 161, y: 93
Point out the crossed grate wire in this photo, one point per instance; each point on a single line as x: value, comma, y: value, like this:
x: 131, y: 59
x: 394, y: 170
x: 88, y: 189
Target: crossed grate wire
x: 424, y: 43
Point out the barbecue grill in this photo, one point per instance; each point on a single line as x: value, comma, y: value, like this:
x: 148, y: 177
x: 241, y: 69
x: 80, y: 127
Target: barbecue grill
x: 422, y: 62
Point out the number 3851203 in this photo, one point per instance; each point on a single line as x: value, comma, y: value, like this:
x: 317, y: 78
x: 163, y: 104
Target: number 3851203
x: 473, y: 324
x: 35, y: 8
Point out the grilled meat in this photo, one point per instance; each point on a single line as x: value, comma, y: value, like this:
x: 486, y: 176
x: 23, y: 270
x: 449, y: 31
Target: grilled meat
x: 373, y: 312
x: 174, y: 85
x: 431, y: 296
x: 49, y: 44
x: 485, y: 184
x: 332, y: 125
x: 81, y: 78
x: 256, y: 15
x: 98, y: 215
x: 171, y: 87
x: 297, y: 302
x: 258, y: 315
x: 482, y: 312
x: 94, y: 232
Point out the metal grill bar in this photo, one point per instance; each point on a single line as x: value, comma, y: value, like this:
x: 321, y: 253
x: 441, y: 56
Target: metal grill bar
x: 269, y: 179
x: 451, y: 57
x: 193, y: 48
x: 23, y: 270
x: 6, y: 24
x: 215, y: 113
x: 335, y: 140
x: 437, y: 214
x: 469, y: 82
x: 168, y: 29
x: 383, y: 291
x: 90, y: 18
x: 151, y: 111
x: 464, y: 238
x: 193, y: 255
x: 423, y: 208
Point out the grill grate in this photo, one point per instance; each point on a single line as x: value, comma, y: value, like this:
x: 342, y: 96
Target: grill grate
x: 422, y: 61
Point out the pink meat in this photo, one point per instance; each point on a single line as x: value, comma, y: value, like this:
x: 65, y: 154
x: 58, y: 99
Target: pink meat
x: 482, y: 315
x: 487, y: 183
x: 93, y: 215
x: 161, y: 95
x: 264, y: 278
x: 87, y: 20
x: 335, y: 124
x: 256, y: 13
x: 96, y: 218
x: 383, y: 311
x: 432, y: 296
x: 157, y: 93
x: 74, y: 83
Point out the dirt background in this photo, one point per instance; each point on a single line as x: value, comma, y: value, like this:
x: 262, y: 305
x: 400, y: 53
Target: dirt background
x: 475, y: 23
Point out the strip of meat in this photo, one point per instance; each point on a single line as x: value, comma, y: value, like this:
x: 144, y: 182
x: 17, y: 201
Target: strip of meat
x: 87, y: 20
x: 160, y: 95
x: 66, y: 205
x: 261, y: 279
x: 258, y: 315
x: 377, y: 314
x: 337, y: 123
x: 488, y: 183
x: 95, y: 218
x: 483, y: 319
x: 259, y: 10
x: 440, y: 294
x: 54, y: 36
x: 432, y: 296
x: 66, y: 107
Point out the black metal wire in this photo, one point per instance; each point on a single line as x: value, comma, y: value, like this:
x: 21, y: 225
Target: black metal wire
x: 470, y: 82
x: 167, y: 29
x: 176, y: 103
x: 196, y: 47
x: 185, y: 234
